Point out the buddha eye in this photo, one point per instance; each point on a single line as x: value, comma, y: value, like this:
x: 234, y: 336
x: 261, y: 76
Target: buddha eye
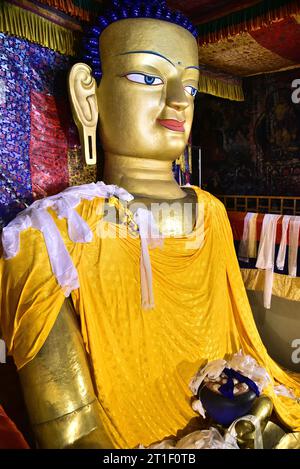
x: 144, y: 79
x: 191, y: 90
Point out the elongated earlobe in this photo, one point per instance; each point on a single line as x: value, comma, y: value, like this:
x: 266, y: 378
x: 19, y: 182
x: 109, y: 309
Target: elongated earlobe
x: 82, y: 94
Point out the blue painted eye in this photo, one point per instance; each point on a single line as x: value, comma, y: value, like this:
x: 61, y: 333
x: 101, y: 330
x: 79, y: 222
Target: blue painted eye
x: 149, y: 80
x: 191, y: 90
x: 144, y: 79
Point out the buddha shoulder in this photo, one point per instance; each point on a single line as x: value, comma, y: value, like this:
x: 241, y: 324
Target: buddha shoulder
x: 70, y: 215
x: 212, y: 203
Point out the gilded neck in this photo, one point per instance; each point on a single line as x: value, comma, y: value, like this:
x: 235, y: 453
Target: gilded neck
x: 142, y: 176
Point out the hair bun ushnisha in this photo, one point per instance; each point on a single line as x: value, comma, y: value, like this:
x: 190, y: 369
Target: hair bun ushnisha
x: 124, y: 9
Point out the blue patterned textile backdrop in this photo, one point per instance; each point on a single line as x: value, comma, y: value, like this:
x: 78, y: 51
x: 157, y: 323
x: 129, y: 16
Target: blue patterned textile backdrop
x: 24, y: 67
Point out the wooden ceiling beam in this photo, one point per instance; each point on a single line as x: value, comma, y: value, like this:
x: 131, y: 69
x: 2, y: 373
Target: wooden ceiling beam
x: 199, y: 12
x: 221, y: 12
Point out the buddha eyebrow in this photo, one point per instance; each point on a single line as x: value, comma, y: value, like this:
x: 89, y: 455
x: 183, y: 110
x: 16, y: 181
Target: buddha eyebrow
x: 193, y: 66
x: 148, y: 52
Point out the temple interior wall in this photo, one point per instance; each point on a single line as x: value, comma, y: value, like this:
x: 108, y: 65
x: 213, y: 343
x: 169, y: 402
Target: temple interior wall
x: 251, y: 147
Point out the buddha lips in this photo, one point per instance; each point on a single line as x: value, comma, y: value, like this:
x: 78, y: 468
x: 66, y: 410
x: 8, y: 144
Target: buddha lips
x: 172, y: 124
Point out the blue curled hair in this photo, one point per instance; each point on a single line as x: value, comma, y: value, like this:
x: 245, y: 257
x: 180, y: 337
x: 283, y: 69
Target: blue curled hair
x: 124, y: 9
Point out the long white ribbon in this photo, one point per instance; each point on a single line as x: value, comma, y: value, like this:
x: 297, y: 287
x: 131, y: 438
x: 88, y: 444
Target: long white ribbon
x: 150, y: 237
x: 266, y: 254
x: 283, y: 243
x: 243, y: 253
x: 293, y: 245
x: 2, y: 351
x: 60, y: 260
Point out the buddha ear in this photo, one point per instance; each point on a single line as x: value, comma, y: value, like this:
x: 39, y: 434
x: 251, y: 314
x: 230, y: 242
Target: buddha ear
x: 82, y: 94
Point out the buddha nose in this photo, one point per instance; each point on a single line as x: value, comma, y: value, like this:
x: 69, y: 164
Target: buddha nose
x: 176, y: 97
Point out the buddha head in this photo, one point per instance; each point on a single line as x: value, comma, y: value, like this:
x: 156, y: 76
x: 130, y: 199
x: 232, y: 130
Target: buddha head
x: 140, y: 84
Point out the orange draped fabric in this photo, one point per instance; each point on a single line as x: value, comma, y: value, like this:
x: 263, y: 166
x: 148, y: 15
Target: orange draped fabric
x: 142, y: 360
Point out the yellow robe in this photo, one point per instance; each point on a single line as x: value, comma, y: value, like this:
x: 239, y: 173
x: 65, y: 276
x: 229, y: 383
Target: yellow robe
x: 142, y: 360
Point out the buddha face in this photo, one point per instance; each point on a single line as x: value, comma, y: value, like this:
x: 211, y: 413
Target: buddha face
x: 146, y: 95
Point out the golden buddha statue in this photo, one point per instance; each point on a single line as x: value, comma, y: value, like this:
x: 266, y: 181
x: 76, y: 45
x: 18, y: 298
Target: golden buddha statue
x: 98, y: 369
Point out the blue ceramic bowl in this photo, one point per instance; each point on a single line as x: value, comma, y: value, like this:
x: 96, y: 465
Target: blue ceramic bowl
x: 224, y: 410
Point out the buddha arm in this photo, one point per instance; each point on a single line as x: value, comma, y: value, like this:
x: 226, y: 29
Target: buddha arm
x: 58, y: 390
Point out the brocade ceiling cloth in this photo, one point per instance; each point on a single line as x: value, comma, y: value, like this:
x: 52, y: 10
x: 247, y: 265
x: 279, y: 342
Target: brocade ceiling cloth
x: 269, y: 49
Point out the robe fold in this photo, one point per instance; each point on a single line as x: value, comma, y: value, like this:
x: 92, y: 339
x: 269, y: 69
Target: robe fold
x: 142, y: 360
